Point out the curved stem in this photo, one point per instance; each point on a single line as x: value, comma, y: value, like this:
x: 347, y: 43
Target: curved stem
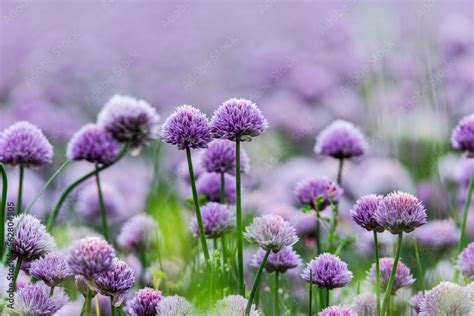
x: 21, y: 174
x: 196, y: 206
x: 388, y: 290
x: 377, y: 273
x: 275, y: 301
x: 16, y: 272
x: 339, y: 171
x: 310, y: 300
x: 420, y: 269
x: 103, y: 214
x: 256, y: 282
x: 238, y: 211
x: 3, y: 208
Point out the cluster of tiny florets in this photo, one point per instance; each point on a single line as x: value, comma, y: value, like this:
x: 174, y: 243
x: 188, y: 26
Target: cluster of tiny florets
x: 271, y: 232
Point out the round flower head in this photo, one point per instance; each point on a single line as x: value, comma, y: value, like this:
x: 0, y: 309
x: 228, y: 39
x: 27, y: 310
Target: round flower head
x: 463, y: 135
x: 137, y: 233
x: 327, y: 271
x: 35, y: 299
x: 337, y: 310
x: 400, y: 212
x: 94, y: 144
x: 23, y: 144
x: 144, y: 303
x: 116, y: 281
x: 216, y: 219
x: 209, y: 185
x: 340, y: 140
x: 52, y: 269
x: 173, y: 306
x: 280, y: 261
x: 32, y: 241
x: 320, y: 190
x: 438, y: 234
x: 363, y: 212
x: 364, y: 304
x: 234, y: 305
x: 447, y: 299
x: 187, y: 127
x: 403, y: 277
x: 220, y: 157
x: 271, y: 232
x: 416, y: 301
x: 238, y: 119
x: 129, y: 120
x: 466, y: 261
x: 90, y: 256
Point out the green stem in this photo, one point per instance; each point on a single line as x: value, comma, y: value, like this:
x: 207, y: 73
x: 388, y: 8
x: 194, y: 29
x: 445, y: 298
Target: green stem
x: 16, y: 272
x: 310, y: 300
x: 377, y: 272
x: 339, y: 171
x: 21, y: 174
x: 275, y: 301
x: 388, y: 291
x: 420, y: 269
x: 196, y: 206
x: 51, y: 291
x: 103, y: 214
x: 238, y: 210
x: 467, y: 204
x: 256, y: 282
x: 86, y: 306
x: 3, y: 207
x: 222, y: 197
x: 318, y: 233
x: 327, y: 298
x: 112, y: 307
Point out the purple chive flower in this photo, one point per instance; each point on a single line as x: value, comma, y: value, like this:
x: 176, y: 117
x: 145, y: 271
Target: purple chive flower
x: 271, y: 232
x: 137, y: 233
x: 116, y: 281
x: 94, y: 144
x: 311, y: 189
x: 238, y: 119
x: 144, y: 303
x: 438, y: 234
x: 220, y: 157
x: 187, y: 127
x: 216, y: 219
x: 234, y: 305
x: 416, y: 301
x: 90, y: 256
x: 340, y: 140
x: 23, y: 144
x: 466, y: 261
x: 129, y: 120
x: 463, y: 136
x: 337, y: 310
x: 280, y: 261
x: 32, y: 241
x: 35, y: 299
x: 173, y: 306
x: 209, y: 185
x: 400, y: 212
x: 51, y: 269
x: 403, y: 277
x: 363, y: 212
x: 328, y: 271
x: 447, y: 299
x: 364, y: 304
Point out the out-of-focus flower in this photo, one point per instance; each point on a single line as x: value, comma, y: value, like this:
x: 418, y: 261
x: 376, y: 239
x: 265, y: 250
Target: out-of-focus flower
x: 447, y: 299
x: 271, y: 232
x: 416, y: 301
x: 327, y: 271
x: 403, y: 277
x: 137, y: 233
x: 311, y: 189
x: 116, y: 281
x: 31, y: 241
x: 51, y: 269
x: 466, y: 261
x: 209, y: 185
x: 23, y: 144
x: 94, y: 144
x: 187, y: 127
x: 129, y: 120
x: 280, y: 261
x: 337, y: 310
x: 35, y: 299
x: 234, y: 305
x: 340, y: 140
x: 364, y: 304
x: 364, y: 210
x: 463, y: 135
x: 173, y: 306
x: 435, y: 197
x: 144, y: 303
x: 183, y: 171
x: 437, y: 234
x: 238, y: 119
x: 400, y: 212
x: 444, y: 270
x: 91, y: 255
x: 216, y: 220
x: 220, y: 157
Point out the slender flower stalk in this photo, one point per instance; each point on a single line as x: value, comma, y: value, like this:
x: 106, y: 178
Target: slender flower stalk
x: 377, y: 272
x: 310, y: 299
x: 21, y: 174
x: 388, y: 290
x: 238, y: 210
x: 16, y: 272
x: 339, y: 171
x: 103, y: 214
x: 3, y: 207
x: 420, y: 269
x: 256, y: 282
x: 467, y: 204
x: 318, y: 233
x: 277, y: 295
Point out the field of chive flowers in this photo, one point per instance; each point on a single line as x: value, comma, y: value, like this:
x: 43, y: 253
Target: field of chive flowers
x: 237, y: 158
